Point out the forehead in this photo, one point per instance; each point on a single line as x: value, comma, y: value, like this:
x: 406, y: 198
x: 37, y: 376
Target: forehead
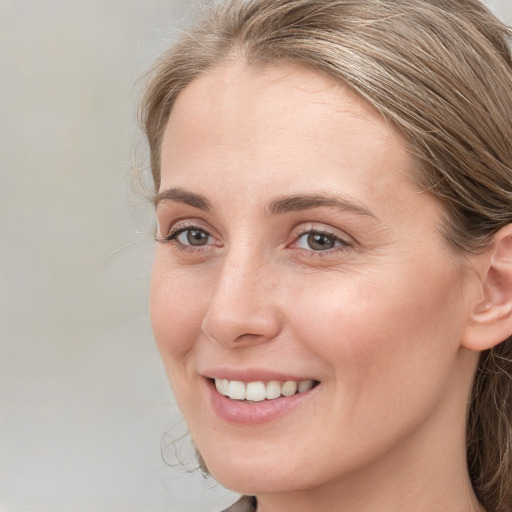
x: 270, y: 121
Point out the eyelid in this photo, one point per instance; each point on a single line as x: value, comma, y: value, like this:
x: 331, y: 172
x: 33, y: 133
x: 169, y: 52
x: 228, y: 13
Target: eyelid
x: 346, y: 240
x: 176, y: 233
x: 326, y: 229
x: 184, y: 224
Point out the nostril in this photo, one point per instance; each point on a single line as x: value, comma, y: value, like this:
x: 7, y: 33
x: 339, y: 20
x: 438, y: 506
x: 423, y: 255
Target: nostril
x: 247, y: 337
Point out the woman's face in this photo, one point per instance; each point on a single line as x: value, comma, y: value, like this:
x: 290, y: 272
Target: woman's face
x: 300, y: 250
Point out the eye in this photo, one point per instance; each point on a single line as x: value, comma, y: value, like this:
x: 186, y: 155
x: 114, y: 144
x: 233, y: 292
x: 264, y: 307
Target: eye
x: 318, y: 241
x: 188, y: 236
x: 191, y: 236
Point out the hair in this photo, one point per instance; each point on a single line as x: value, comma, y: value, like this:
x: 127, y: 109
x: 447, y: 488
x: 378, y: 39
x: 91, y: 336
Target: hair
x: 439, y: 71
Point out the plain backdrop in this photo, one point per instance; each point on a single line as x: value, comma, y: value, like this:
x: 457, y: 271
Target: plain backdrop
x: 86, y: 414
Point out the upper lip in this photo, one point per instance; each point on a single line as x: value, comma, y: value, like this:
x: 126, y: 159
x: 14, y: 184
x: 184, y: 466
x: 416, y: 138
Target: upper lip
x: 252, y: 375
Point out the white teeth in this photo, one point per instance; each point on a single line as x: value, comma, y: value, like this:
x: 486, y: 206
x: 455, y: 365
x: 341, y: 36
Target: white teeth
x: 273, y: 389
x: 236, y: 390
x: 258, y: 390
x: 289, y: 388
x: 304, y: 385
x: 255, y: 391
x: 222, y: 386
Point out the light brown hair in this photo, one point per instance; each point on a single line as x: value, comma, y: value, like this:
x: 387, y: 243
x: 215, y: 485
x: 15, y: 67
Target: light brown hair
x: 441, y: 72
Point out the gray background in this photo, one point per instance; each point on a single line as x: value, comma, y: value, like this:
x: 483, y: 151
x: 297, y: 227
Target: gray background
x: 84, y: 402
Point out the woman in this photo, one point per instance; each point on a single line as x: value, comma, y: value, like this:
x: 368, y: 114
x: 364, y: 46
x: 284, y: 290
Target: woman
x: 332, y: 287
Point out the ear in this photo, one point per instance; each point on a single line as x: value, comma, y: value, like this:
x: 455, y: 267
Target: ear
x: 491, y: 318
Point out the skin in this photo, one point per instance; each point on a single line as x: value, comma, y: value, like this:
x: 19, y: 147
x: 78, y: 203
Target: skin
x: 378, y: 319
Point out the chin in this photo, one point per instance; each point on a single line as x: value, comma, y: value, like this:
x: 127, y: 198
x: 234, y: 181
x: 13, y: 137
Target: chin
x: 252, y: 483
x: 256, y: 471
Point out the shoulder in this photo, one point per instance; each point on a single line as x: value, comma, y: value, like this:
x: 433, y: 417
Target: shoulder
x: 244, y: 504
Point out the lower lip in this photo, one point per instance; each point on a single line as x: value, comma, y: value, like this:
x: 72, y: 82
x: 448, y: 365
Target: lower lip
x: 253, y: 413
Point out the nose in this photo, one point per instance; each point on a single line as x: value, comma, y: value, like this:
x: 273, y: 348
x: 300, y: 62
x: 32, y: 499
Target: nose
x: 242, y: 309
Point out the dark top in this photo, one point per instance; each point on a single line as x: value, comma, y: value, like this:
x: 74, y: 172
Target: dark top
x: 244, y: 504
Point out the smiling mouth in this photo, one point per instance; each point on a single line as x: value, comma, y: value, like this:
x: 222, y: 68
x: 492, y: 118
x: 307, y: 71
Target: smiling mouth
x: 258, y: 391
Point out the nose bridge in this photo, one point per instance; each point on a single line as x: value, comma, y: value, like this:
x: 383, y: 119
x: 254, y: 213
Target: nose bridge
x: 241, y: 308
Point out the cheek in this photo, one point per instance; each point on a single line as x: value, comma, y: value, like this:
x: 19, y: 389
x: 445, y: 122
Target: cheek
x: 389, y: 349
x: 381, y: 327
x: 176, y: 313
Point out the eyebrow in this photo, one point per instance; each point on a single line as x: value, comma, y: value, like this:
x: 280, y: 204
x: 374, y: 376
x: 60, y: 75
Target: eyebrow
x: 181, y: 195
x: 308, y: 202
x: 276, y: 207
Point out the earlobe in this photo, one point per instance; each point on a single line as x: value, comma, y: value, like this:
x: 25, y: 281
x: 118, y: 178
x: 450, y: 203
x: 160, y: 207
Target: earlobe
x: 491, y: 318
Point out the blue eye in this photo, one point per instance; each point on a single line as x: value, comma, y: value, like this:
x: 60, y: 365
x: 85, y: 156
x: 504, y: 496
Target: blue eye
x: 319, y: 241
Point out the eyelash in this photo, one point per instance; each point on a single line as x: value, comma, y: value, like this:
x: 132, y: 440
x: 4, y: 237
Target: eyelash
x: 171, y: 238
x: 340, y: 243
